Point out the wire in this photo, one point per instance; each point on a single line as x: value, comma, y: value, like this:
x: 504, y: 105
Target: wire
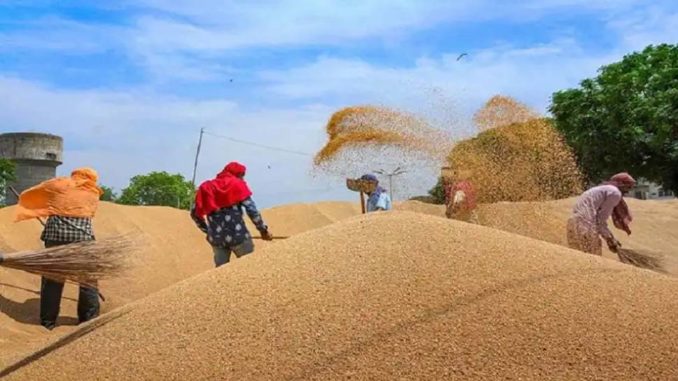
x: 259, y: 145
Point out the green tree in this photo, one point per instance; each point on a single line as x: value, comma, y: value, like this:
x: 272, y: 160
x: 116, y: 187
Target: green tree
x: 626, y: 118
x: 7, y: 175
x: 158, y: 188
x: 109, y: 194
x: 438, y: 192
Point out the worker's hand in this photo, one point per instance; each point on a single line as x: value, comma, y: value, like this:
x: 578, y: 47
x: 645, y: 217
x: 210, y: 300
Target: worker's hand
x: 613, y: 244
x: 266, y: 236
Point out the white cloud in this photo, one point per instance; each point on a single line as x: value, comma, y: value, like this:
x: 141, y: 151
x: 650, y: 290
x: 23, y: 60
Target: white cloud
x: 530, y: 74
x: 653, y: 25
x: 139, y: 129
x: 127, y: 133
x: 58, y: 34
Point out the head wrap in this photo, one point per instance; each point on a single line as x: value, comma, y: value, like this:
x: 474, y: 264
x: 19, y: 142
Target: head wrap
x: 226, y: 190
x: 621, y: 216
x: 470, y: 200
x: 374, y: 196
x: 74, y: 196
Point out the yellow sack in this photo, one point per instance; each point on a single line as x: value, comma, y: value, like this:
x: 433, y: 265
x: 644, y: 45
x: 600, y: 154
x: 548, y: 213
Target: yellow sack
x: 75, y: 196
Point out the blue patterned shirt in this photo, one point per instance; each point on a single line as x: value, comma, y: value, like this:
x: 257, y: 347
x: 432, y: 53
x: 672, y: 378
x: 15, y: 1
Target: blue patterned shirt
x: 226, y: 227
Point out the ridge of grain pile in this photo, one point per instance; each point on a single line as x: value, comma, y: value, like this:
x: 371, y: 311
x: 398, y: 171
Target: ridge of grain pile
x: 420, y: 297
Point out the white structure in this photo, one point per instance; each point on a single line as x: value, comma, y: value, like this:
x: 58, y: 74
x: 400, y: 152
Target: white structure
x: 646, y: 190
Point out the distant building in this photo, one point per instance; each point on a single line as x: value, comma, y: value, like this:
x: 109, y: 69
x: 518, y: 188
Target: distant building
x: 646, y: 190
x: 35, y: 155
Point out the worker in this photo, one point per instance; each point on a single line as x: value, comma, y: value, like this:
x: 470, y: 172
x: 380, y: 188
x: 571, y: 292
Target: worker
x: 69, y: 203
x: 218, y: 212
x: 460, y: 197
x: 378, y: 200
x: 592, y: 210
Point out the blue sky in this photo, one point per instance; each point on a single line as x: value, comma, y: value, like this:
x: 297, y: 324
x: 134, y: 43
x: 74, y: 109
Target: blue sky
x: 128, y: 84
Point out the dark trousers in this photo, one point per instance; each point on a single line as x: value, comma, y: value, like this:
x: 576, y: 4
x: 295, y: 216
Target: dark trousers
x: 50, y: 299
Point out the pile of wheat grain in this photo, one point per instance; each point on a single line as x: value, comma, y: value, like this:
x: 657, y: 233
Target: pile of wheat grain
x: 389, y: 296
x: 174, y: 249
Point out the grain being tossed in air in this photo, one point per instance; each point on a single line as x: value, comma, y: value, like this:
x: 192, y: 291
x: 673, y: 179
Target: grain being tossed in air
x: 519, y: 158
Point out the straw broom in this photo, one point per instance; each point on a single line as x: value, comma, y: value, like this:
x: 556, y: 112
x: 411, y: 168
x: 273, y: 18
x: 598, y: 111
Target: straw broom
x: 639, y: 259
x: 30, y: 265
x: 82, y: 262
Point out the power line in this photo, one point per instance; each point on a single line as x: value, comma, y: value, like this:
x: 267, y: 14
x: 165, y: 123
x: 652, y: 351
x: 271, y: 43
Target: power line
x: 272, y: 148
x: 245, y: 142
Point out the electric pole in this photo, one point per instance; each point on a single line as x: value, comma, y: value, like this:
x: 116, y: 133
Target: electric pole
x: 396, y: 172
x: 197, y: 153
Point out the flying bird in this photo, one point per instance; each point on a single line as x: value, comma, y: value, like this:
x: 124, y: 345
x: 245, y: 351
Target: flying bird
x: 462, y: 56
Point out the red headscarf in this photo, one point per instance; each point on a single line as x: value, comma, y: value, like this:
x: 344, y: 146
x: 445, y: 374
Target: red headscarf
x: 465, y: 186
x: 227, y: 189
x: 621, y: 216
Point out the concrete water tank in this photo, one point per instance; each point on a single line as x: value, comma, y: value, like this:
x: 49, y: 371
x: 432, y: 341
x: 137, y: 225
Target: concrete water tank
x: 35, y: 155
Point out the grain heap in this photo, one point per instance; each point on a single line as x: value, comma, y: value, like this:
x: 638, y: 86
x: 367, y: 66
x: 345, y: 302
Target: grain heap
x: 175, y: 250
x: 451, y: 301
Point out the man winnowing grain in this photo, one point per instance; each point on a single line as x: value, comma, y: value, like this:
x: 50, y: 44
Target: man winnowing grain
x: 69, y: 203
x: 592, y: 210
x: 377, y: 200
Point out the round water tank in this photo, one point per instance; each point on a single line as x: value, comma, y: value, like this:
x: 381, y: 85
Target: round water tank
x: 35, y: 155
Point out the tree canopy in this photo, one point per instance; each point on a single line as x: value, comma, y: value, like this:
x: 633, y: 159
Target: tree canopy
x: 7, y: 174
x: 158, y: 188
x: 108, y: 195
x: 626, y: 118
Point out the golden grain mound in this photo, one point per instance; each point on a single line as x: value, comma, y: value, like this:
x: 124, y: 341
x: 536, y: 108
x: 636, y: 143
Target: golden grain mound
x: 175, y: 250
x: 653, y: 224
x: 390, y: 296
x: 519, y: 162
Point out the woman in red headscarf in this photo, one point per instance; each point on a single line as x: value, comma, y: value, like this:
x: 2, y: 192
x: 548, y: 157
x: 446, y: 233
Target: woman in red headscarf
x: 592, y: 210
x: 460, y: 198
x: 218, y: 212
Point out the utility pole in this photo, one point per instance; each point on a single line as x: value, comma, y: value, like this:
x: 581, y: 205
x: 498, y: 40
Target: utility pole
x: 197, y: 153
x: 396, y: 172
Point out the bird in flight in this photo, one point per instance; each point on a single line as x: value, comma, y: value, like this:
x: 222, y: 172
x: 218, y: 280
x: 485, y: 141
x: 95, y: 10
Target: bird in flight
x: 462, y: 56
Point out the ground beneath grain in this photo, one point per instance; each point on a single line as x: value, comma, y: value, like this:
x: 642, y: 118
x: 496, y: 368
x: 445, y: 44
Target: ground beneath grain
x: 385, y: 296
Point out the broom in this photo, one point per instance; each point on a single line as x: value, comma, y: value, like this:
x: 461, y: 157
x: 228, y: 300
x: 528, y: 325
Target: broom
x: 83, y: 262
x: 18, y: 196
x: 638, y: 259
